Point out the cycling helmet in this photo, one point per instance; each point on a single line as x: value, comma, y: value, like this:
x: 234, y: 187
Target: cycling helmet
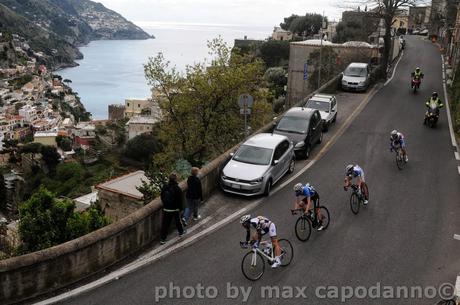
x: 349, y: 169
x: 417, y: 69
x: 298, y: 187
x: 435, y: 94
x: 394, y: 134
x: 245, y: 218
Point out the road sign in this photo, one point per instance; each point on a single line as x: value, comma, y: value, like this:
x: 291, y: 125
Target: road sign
x: 245, y: 111
x: 245, y: 100
x: 305, y: 71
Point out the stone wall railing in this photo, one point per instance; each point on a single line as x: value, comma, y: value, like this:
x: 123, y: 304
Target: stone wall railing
x: 33, y: 274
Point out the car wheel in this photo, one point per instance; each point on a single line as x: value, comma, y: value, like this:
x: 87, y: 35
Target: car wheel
x: 306, y: 152
x: 268, y: 188
x: 320, y: 138
x: 335, y: 118
x: 291, y: 166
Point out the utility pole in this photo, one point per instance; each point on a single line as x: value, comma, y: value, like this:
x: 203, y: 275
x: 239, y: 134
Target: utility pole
x: 320, y: 52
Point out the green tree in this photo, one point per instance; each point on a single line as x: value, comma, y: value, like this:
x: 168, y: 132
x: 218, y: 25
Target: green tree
x: 65, y: 143
x: 50, y: 156
x: 307, y: 25
x: 200, y: 112
x: 276, y: 78
x: 46, y: 221
x: 142, y: 147
x: 329, y: 67
x: 275, y: 53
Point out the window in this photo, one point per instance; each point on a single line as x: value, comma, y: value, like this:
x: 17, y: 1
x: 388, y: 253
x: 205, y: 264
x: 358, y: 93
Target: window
x: 138, y: 105
x: 281, y: 150
x: 128, y: 104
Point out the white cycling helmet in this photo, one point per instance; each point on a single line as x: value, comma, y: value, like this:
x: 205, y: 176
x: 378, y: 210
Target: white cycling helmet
x: 298, y: 187
x: 349, y: 168
x: 394, y: 133
x: 245, y: 218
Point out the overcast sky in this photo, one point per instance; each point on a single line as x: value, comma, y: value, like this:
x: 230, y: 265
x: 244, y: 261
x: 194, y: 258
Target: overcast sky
x: 243, y: 12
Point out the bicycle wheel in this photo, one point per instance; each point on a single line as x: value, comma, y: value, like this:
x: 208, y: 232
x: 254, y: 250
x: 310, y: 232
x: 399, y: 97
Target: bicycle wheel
x: 354, y: 203
x: 399, y: 160
x: 325, y: 216
x: 287, y: 252
x: 365, y: 190
x: 253, y: 266
x: 303, y: 228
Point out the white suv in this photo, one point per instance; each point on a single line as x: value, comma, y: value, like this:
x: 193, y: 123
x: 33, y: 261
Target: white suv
x: 326, y: 105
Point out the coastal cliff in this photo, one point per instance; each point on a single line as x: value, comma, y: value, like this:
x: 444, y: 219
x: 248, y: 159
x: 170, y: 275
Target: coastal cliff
x: 56, y: 28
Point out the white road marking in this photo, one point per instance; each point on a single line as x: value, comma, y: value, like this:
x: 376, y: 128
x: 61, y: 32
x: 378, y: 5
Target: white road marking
x: 459, y: 170
x: 449, y: 119
x: 457, y: 156
x: 456, y: 236
x: 457, y: 288
x: 164, y: 250
x: 394, y: 70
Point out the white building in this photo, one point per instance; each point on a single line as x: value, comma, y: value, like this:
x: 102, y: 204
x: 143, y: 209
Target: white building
x: 280, y: 34
x: 29, y: 113
x: 2, y: 137
x: 139, y: 125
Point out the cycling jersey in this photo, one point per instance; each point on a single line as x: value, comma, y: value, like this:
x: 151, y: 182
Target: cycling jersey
x: 398, y: 141
x: 307, y: 191
x: 357, y: 172
x: 262, y: 225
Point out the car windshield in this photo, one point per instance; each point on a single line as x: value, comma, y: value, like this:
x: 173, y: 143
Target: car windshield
x: 355, y: 71
x: 253, y: 155
x: 319, y: 105
x: 293, y: 124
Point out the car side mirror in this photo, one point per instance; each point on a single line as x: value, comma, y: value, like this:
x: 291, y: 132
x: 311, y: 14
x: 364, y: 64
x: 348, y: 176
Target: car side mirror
x: 276, y: 162
x: 232, y: 154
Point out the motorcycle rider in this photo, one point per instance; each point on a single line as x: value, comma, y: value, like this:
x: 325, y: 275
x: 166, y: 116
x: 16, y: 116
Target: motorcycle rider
x: 433, y: 102
x: 417, y: 75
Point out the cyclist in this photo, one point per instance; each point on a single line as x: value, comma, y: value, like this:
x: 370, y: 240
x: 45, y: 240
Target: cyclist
x: 262, y: 225
x: 355, y: 171
x: 433, y: 101
x: 310, y: 195
x: 397, y: 139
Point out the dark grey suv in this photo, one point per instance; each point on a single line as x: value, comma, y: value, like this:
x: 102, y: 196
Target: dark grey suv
x: 303, y: 127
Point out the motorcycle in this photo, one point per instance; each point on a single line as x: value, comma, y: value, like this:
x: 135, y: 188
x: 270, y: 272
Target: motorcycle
x: 432, y: 116
x: 416, y: 81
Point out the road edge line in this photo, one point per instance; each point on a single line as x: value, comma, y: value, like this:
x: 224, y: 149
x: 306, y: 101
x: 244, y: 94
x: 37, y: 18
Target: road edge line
x: 127, y: 269
x: 446, y: 97
x: 394, y: 70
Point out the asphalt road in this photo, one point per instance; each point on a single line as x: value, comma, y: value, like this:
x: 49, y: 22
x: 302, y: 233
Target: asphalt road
x: 403, y: 238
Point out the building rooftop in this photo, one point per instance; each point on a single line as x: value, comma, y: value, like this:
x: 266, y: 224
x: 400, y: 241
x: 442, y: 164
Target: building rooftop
x: 142, y: 120
x: 84, y: 202
x: 39, y: 134
x: 125, y: 185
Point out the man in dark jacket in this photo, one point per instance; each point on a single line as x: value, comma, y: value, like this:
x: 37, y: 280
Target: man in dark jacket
x: 194, y: 196
x: 171, y: 196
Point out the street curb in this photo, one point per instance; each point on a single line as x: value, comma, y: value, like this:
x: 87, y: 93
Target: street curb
x: 457, y: 290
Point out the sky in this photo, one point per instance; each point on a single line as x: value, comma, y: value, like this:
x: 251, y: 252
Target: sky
x: 240, y: 12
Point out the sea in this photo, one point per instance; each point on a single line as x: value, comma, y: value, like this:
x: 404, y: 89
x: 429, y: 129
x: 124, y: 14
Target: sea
x: 113, y: 70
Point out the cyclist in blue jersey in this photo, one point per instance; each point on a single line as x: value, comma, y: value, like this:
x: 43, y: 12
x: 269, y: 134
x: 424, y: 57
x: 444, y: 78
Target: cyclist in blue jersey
x: 311, y: 196
x: 355, y: 171
x: 397, y: 140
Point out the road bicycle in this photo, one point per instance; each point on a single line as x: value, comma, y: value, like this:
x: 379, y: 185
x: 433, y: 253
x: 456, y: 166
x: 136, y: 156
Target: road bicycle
x: 447, y: 302
x: 306, y: 221
x: 357, y: 197
x: 400, y: 157
x: 253, y: 263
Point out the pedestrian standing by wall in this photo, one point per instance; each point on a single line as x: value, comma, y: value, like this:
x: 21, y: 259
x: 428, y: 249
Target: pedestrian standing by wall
x: 194, y: 196
x: 171, y: 196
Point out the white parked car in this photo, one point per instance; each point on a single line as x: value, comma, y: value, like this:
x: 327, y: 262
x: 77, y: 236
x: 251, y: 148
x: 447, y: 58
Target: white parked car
x: 258, y: 164
x: 327, y: 106
x: 356, y: 77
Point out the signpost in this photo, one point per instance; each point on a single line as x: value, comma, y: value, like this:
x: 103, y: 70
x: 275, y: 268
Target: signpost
x: 245, y: 101
x: 305, y: 71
